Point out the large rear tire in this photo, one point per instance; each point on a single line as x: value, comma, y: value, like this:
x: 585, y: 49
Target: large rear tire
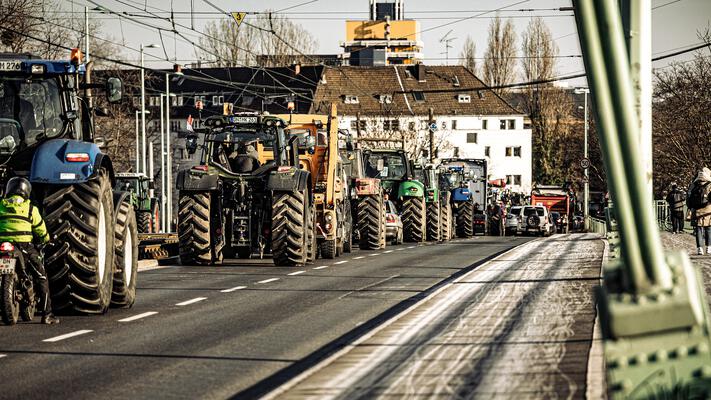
x: 434, y: 222
x: 414, y: 219
x: 465, y: 219
x: 446, y: 222
x: 289, y: 238
x: 195, y: 236
x: 144, y: 222
x: 126, y: 257
x: 370, y: 221
x: 80, y: 262
x: 155, y: 216
x: 10, y: 304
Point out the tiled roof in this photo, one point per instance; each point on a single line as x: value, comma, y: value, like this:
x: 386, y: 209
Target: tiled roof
x: 370, y: 83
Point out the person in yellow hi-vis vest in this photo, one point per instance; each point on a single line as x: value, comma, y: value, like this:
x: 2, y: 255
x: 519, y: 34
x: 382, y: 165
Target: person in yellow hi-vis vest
x: 22, y: 225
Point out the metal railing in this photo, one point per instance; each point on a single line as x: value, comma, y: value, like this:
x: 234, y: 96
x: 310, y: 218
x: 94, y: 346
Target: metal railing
x: 597, y: 225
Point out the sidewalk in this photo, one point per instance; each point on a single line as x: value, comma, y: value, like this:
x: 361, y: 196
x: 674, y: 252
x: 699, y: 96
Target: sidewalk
x: 519, y: 326
x: 687, y: 242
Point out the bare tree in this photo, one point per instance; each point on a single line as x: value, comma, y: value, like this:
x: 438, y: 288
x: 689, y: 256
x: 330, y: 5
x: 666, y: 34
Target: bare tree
x: 539, y: 51
x: 499, y: 58
x: 232, y: 46
x: 468, y: 55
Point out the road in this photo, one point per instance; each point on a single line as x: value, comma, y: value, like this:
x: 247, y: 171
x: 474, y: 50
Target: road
x: 239, y: 329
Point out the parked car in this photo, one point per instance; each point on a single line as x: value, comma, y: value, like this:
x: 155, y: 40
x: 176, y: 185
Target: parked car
x: 536, y: 220
x: 393, y: 224
x: 480, y: 224
x: 513, y: 221
x: 556, y: 222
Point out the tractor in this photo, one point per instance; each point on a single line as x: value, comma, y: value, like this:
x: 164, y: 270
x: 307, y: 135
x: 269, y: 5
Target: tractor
x: 465, y: 180
x: 395, y: 171
x: 147, y: 208
x: 437, y: 199
x: 365, y: 195
x: 317, y: 136
x: 235, y: 203
x: 47, y: 135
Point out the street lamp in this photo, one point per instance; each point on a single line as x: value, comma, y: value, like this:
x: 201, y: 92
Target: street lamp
x: 143, y: 107
x: 163, y: 153
x: 586, y: 184
x: 138, y: 148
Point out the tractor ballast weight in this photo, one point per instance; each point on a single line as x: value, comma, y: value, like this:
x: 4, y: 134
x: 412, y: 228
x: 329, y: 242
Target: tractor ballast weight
x: 72, y: 181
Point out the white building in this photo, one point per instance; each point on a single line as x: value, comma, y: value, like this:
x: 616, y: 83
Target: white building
x: 471, y: 120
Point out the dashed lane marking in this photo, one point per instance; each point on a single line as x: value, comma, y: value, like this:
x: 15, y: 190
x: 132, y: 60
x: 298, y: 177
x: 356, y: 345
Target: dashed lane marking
x: 3, y: 355
x: 412, y: 247
x: 68, y: 335
x: 359, y: 258
x: 268, y: 280
x: 389, y: 251
x: 139, y: 316
x: 191, y: 301
x: 321, y: 267
x: 233, y: 289
x: 296, y: 273
x: 340, y: 262
x: 374, y: 254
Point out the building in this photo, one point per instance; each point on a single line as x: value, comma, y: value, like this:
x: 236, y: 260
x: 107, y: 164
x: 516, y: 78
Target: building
x: 387, y: 38
x: 470, y: 120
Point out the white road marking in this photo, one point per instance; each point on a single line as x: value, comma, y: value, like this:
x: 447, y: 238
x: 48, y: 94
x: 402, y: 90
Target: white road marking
x: 412, y: 247
x: 359, y: 258
x: 321, y: 267
x: 296, y: 273
x: 191, y: 301
x: 67, y: 335
x: 233, y: 289
x: 268, y: 280
x: 374, y: 254
x: 139, y: 316
x: 389, y: 251
x: 3, y: 355
x: 340, y: 262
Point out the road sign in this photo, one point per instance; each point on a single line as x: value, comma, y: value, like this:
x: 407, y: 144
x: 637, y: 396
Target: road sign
x: 585, y: 163
x: 433, y: 126
x: 238, y: 17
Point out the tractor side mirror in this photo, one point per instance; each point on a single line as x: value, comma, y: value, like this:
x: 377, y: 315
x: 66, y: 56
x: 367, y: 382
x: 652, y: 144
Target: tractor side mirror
x: 191, y: 144
x: 310, y: 144
x: 151, y: 185
x: 114, y: 90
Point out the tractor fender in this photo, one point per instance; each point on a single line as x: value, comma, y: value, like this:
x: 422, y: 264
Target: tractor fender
x: 50, y: 162
x: 461, y: 194
x: 119, y: 197
x: 190, y: 179
x: 290, y: 180
x: 411, y: 189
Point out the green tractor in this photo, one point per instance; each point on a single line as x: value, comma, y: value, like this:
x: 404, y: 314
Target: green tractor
x: 147, y: 208
x: 395, y: 171
x: 437, y: 199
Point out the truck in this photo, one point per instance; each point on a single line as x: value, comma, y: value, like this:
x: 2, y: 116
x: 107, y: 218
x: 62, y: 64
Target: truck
x: 465, y: 180
x: 557, y: 200
x: 147, y: 208
x: 237, y: 203
x: 47, y: 134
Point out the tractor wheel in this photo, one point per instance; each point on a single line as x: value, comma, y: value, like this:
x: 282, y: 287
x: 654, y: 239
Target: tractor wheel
x: 370, y: 217
x: 328, y: 249
x: 155, y: 217
x: 446, y: 222
x: 195, y: 238
x: 414, y: 219
x: 144, y: 222
x: 348, y: 243
x: 434, y: 222
x: 311, y: 242
x: 465, y: 219
x: 126, y: 257
x: 289, y: 238
x: 80, y: 261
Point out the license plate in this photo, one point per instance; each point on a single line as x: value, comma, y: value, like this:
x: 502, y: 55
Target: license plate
x: 7, y: 265
x: 10, y: 65
x: 243, y: 120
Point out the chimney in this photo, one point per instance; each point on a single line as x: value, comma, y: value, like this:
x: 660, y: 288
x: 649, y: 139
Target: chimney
x: 420, y: 72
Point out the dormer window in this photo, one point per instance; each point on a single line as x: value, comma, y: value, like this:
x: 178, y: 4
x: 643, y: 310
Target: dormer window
x: 385, y: 98
x: 464, y: 98
x: 350, y: 99
x: 418, y: 96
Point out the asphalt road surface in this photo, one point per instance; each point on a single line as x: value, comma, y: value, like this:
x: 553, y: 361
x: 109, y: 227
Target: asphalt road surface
x: 236, y: 330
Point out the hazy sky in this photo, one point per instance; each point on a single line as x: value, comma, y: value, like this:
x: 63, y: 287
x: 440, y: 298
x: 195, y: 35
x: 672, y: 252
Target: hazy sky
x: 675, y: 23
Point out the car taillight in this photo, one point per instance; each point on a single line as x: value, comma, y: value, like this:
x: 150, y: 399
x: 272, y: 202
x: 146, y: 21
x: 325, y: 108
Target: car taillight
x: 200, y: 168
x: 390, y: 218
x: 7, y: 247
x: 77, y: 157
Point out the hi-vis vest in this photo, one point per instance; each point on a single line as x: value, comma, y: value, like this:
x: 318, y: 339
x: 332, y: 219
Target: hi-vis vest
x: 20, y: 221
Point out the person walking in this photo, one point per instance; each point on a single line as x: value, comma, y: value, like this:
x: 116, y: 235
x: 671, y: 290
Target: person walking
x: 675, y: 200
x: 699, y: 202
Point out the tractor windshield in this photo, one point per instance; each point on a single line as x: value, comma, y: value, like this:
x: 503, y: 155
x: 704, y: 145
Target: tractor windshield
x: 30, y: 111
x: 386, y: 166
x: 127, y: 185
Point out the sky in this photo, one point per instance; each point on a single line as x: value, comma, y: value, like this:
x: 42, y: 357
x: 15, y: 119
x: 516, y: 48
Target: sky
x: 674, y: 24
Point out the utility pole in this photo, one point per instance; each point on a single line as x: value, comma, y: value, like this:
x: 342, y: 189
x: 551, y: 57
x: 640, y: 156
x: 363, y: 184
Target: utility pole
x: 162, y: 164
x: 586, y: 169
x: 143, y: 107
x: 169, y: 155
x: 86, y: 34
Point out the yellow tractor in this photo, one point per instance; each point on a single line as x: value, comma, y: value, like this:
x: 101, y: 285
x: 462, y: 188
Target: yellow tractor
x: 317, y: 138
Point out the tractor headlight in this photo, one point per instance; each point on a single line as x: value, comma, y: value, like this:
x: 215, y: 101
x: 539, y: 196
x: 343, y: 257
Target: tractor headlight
x: 37, y: 68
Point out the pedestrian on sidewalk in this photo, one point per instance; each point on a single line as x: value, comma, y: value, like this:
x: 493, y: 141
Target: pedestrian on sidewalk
x: 675, y: 200
x: 699, y: 202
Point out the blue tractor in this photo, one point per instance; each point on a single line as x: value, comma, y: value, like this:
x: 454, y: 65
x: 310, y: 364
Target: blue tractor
x: 466, y: 181
x: 46, y: 134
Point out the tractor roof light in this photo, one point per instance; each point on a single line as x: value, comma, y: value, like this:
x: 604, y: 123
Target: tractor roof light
x: 76, y: 57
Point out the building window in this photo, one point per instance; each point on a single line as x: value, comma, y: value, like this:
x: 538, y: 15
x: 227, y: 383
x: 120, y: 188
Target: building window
x: 418, y: 96
x: 507, y: 124
x: 391, y: 125
x: 355, y: 124
x: 487, y: 151
x: 472, y: 137
x: 385, y: 98
x: 199, y: 98
x: 517, y: 180
x: 175, y: 125
x: 351, y: 99
x: 513, y: 180
x: 454, y: 124
x: 464, y: 98
x: 485, y: 124
x: 411, y: 126
x: 513, y: 151
x: 218, y: 100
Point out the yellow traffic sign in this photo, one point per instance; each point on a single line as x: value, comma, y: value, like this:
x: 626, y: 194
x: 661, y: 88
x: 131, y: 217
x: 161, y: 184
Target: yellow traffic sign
x: 238, y: 17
